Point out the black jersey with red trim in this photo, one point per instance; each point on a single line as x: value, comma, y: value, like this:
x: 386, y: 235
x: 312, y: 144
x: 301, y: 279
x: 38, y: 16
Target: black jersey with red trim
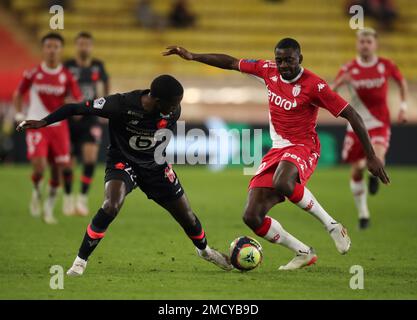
x: 135, y: 133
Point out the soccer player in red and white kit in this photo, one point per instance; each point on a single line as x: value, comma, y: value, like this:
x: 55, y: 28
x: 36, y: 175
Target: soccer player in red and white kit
x: 367, y: 80
x: 48, y: 86
x: 295, y: 95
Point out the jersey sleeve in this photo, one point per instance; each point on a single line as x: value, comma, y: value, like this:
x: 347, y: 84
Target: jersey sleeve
x: 73, y: 88
x: 106, y: 107
x: 254, y: 67
x: 326, y: 98
x: 395, y: 72
x: 26, y: 82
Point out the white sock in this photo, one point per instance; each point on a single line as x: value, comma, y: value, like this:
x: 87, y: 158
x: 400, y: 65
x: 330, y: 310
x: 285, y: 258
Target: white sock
x: 359, y: 191
x: 310, y: 204
x: 50, y: 201
x: 277, y: 234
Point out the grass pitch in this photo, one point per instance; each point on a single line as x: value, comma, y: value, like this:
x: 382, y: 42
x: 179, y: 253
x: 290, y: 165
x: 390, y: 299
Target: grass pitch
x: 145, y: 254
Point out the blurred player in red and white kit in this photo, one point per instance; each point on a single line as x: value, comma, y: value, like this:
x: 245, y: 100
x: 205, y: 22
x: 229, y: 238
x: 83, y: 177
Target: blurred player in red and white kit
x: 48, y: 86
x: 295, y: 95
x: 367, y: 80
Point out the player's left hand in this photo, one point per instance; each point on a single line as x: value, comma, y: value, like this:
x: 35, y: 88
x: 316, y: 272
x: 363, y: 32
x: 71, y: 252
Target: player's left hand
x: 376, y: 167
x: 402, y: 116
x: 31, y: 124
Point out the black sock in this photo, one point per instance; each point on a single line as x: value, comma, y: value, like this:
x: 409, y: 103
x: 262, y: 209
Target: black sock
x: 87, y: 177
x: 95, y: 232
x: 197, y: 235
x: 67, y: 173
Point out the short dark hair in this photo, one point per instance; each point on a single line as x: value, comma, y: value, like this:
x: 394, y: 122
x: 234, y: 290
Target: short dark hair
x: 52, y: 35
x: 288, y: 43
x: 166, y: 87
x: 84, y: 34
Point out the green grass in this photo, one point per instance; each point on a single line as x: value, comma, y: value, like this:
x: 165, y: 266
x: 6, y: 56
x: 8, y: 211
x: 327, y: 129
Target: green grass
x: 145, y: 254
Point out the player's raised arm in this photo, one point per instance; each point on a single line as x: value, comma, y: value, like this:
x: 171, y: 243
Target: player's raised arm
x: 375, y: 165
x: 218, y: 60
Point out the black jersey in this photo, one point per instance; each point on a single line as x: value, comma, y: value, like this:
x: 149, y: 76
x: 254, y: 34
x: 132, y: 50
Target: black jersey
x: 132, y: 129
x: 87, y: 77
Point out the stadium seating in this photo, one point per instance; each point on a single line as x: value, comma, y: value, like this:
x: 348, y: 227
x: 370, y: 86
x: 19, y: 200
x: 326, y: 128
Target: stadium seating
x: 243, y: 28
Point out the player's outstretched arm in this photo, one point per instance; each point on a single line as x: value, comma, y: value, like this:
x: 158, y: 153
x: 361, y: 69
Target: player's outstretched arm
x: 66, y: 111
x: 375, y: 165
x: 218, y: 60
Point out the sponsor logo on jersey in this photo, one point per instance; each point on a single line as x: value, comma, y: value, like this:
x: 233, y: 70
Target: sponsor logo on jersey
x: 49, y: 89
x: 368, y: 83
x: 281, y: 102
x: 296, y: 90
x: 99, y: 103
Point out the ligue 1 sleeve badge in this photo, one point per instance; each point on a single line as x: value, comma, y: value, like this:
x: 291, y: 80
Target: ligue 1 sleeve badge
x: 162, y: 124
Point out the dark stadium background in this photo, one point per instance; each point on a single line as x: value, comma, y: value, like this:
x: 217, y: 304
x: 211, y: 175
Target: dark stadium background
x: 130, y: 46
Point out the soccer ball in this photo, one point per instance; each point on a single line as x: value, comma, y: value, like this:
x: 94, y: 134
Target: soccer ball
x: 245, y: 253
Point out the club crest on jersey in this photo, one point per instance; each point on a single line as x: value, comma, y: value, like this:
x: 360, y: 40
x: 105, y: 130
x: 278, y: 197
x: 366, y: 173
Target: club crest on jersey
x: 296, y: 90
x: 99, y: 103
x: 274, y: 78
x: 381, y: 68
x: 62, y: 78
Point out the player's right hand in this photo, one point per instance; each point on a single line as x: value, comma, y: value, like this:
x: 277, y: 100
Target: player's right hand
x: 180, y: 51
x: 376, y: 167
x: 31, y: 124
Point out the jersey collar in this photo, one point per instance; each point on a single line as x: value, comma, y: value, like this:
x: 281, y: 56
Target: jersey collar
x: 298, y: 76
x: 364, y: 64
x: 46, y: 69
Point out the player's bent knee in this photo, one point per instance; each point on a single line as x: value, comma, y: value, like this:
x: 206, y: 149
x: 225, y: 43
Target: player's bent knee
x: 284, y: 186
x: 253, y: 221
x: 112, y: 207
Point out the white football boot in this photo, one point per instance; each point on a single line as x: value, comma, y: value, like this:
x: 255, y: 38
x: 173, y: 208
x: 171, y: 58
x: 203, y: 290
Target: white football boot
x: 68, y: 207
x: 340, y: 237
x: 78, y: 267
x: 35, y: 204
x: 81, y: 206
x: 219, y: 259
x: 301, y: 260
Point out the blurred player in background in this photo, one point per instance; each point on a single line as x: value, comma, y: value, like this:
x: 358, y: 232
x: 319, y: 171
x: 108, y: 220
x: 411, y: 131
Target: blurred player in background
x: 295, y: 95
x: 85, y: 131
x: 367, y: 80
x: 48, y: 85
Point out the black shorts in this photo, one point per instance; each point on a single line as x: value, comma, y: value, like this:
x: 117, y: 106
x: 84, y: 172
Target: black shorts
x: 82, y: 131
x: 159, y: 183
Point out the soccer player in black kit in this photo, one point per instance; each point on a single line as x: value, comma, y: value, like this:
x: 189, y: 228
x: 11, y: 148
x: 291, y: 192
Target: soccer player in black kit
x: 86, y: 131
x: 134, y: 119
